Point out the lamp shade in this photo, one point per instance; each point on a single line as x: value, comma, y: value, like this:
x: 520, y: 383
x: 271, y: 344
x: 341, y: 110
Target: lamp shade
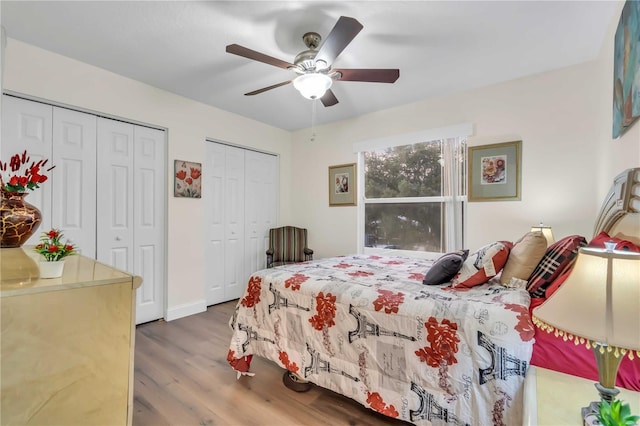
x: 312, y: 85
x: 599, y: 301
x: 546, y: 231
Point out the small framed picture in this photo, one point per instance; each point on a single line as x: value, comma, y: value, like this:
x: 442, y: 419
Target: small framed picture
x: 187, y: 179
x: 494, y: 172
x: 342, y: 185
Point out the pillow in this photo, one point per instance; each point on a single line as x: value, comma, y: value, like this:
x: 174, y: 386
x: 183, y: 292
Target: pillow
x: 482, y: 265
x: 524, y: 257
x: 555, y: 285
x: 445, y: 268
x: 556, y: 259
x: 602, y: 237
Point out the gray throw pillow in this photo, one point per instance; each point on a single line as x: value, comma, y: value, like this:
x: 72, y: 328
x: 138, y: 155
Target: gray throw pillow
x: 445, y: 268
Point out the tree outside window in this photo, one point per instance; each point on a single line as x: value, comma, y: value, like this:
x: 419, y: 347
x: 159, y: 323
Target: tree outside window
x: 406, y: 195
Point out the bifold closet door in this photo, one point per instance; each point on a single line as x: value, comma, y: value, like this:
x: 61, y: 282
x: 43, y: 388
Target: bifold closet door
x: 67, y: 138
x: 131, y: 188
x: 223, y: 191
x: 115, y: 194
x: 213, y: 184
x: 240, y: 192
x: 73, y: 207
x: 149, y: 219
x: 261, y: 198
x: 27, y: 125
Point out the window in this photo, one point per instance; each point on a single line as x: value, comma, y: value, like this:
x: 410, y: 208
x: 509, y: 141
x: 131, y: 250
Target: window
x: 413, y: 196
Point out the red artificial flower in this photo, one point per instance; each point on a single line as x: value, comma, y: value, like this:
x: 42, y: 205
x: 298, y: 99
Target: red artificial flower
x: 25, y: 174
x: 52, y: 248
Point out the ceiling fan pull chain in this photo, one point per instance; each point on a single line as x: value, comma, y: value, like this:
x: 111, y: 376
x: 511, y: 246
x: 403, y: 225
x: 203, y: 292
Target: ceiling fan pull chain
x: 313, y: 120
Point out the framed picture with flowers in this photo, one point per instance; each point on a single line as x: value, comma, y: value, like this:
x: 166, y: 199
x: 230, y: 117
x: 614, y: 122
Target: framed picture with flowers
x: 342, y: 185
x: 187, y: 179
x: 494, y: 172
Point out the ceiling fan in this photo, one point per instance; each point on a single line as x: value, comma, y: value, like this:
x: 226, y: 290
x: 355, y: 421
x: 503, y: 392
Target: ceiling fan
x: 314, y: 67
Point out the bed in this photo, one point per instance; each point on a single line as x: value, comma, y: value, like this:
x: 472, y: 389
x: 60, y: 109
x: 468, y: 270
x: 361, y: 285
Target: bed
x: 366, y: 327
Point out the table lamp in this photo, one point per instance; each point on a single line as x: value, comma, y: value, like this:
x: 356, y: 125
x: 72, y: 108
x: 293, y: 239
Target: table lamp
x: 546, y: 231
x: 598, y: 306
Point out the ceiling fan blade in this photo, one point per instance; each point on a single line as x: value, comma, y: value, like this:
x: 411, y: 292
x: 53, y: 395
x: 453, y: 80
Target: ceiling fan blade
x: 236, y: 49
x: 329, y: 99
x: 264, y: 89
x: 340, y: 36
x: 369, y: 75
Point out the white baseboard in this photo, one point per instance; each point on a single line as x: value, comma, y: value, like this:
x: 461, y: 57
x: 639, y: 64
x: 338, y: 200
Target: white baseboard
x: 186, y: 309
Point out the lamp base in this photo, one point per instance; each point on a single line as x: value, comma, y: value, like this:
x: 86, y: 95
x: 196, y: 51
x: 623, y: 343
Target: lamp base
x: 607, y: 394
x: 590, y: 414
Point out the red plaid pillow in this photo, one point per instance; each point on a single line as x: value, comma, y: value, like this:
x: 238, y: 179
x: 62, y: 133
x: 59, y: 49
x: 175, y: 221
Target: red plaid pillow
x: 556, y: 259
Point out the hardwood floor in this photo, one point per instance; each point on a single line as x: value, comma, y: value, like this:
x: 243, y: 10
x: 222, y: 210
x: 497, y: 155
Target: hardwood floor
x: 182, y: 378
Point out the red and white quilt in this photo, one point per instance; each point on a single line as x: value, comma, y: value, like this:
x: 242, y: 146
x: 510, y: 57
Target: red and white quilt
x: 366, y: 327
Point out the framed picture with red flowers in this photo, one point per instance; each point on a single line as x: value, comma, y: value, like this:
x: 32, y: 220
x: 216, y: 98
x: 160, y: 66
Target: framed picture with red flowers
x: 342, y: 185
x: 494, y: 172
x: 187, y: 179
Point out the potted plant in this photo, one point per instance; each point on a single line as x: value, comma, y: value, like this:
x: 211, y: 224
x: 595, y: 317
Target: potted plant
x: 54, y: 251
x: 616, y: 414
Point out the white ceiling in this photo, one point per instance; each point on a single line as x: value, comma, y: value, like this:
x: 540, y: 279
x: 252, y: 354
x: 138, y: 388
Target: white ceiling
x: 440, y: 47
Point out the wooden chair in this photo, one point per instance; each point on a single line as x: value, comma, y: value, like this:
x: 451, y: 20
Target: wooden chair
x: 287, y: 244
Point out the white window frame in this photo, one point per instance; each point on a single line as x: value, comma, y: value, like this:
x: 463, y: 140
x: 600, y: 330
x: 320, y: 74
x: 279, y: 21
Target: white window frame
x: 460, y: 130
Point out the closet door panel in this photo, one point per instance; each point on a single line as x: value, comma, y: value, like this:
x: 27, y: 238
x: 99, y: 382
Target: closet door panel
x: 26, y: 125
x: 260, y: 208
x: 149, y: 203
x: 213, y: 194
x: 74, y: 183
x: 234, y: 223
x: 115, y: 197
x: 270, y: 187
x: 253, y: 205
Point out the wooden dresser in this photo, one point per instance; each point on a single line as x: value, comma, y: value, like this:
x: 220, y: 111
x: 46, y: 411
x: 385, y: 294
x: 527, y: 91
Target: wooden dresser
x: 66, y: 344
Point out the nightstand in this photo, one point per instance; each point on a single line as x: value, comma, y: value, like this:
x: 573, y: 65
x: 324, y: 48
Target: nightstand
x: 554, y: 399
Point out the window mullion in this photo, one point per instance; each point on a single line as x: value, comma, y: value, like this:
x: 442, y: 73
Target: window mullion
x: 401, y: 200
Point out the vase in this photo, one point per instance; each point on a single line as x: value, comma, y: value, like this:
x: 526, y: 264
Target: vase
x: 18, y: 219
x: 51, y: 269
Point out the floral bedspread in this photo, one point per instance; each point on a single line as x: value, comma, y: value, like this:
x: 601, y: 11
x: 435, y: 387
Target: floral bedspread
x: 366, y: 327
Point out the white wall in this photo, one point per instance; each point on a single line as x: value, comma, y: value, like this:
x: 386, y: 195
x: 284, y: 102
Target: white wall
x: 624, y: 152
x: 563, y: 118
x: 42, y: 74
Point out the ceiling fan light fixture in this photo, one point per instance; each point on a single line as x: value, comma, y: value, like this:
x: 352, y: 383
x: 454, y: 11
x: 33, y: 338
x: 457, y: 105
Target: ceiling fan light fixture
x: 312, y: 85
